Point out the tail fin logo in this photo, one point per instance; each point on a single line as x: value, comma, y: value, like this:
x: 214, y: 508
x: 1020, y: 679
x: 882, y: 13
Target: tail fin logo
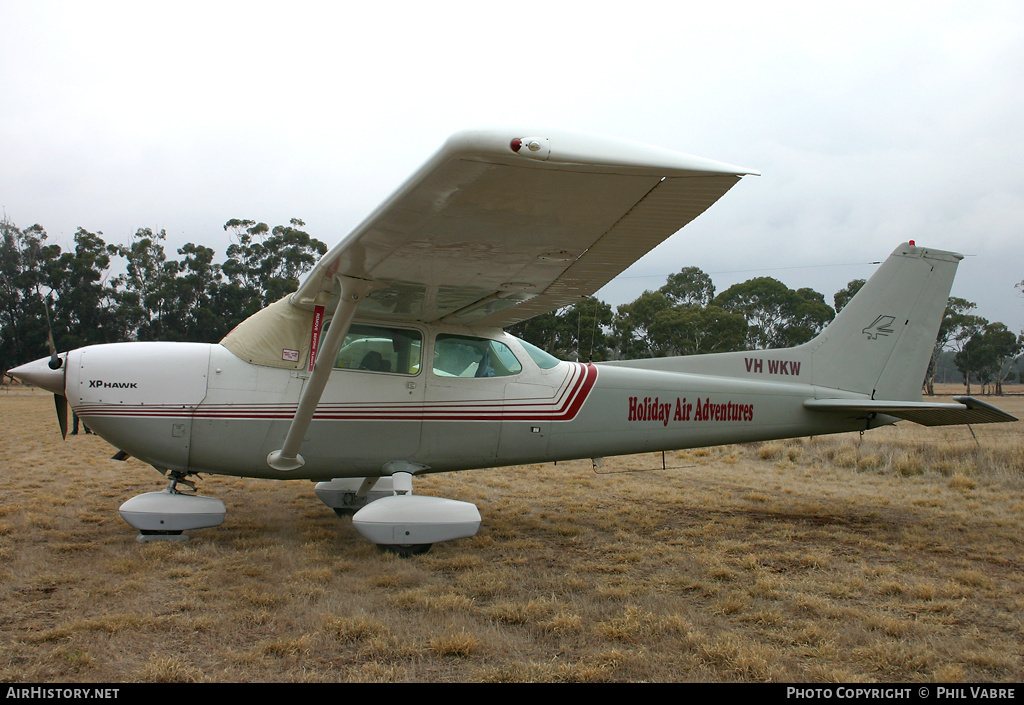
x: 880, y: 326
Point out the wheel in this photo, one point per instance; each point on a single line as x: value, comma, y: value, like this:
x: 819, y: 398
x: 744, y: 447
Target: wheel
x: 351, y: 505
x: 405, y: 550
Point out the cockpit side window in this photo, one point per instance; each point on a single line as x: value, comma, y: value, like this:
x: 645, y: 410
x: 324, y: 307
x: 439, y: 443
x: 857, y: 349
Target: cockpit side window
x: 466, y: 356
x: 380, y: 349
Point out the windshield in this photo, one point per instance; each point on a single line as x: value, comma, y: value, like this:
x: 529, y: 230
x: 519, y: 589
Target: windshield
x: 544, y: 360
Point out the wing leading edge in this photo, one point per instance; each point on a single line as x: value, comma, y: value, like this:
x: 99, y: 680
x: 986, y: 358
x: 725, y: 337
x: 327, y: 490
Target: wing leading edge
x: 499, y: 226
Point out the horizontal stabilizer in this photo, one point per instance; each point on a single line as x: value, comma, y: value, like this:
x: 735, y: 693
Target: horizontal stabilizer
x: 965, y: 410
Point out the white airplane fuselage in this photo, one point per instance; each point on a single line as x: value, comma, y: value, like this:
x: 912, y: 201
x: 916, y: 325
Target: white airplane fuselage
x: 392, y: 400
x: 434, y: 398
x: 389, y: 359
x: 198, y: 408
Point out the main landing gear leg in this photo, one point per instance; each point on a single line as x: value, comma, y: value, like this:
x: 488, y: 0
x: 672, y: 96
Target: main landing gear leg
x: 347, y: 495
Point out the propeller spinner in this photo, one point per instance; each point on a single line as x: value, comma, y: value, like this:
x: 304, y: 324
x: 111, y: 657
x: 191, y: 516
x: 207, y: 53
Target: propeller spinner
x: 48, y: 373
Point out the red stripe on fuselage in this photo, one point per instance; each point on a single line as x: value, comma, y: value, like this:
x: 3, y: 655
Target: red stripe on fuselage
x: 563, y: 406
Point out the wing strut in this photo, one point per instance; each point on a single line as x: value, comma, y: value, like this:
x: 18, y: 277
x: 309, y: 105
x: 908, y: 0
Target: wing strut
x: 352, y: 293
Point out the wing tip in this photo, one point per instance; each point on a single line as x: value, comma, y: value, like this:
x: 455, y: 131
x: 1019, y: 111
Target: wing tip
x: 583, y: 149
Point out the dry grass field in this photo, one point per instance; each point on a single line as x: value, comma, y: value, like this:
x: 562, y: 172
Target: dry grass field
x: 896, y: 557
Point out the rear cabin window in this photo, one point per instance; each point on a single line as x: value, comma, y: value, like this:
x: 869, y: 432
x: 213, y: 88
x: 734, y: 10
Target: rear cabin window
x: 379, y: 349
x: 465, y: 356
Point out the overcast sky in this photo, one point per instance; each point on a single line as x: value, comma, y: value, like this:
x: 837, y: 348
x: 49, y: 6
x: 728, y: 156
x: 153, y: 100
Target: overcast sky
x: 872, y: 123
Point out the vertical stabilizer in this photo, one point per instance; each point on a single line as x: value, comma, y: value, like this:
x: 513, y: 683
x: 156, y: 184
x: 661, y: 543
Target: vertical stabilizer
x: 880, y: 343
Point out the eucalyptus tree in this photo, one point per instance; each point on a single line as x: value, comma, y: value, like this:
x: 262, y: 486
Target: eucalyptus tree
x: 632, y: 325
x: 265, y: 264
x: 85, y: 309
x: 576, y: 332
x: 142, y: 288
x: 690, y: 286
x: 989, y: 356
x: 24, y: 260
x: 777, y: 316
x: 696, y: 330
x: 843, y: 296
x: 958, y: 326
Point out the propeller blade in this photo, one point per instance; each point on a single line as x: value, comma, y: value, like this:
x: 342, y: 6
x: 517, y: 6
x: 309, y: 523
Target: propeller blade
x: 62, y: 414
x: 59, y: 401
x: 55, y: 362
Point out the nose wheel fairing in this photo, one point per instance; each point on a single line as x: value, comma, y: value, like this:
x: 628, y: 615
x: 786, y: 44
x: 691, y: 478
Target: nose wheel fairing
x: 166, y: 515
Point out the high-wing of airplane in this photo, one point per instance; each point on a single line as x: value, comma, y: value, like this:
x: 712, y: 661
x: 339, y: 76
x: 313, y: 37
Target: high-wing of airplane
x: 390, y: 360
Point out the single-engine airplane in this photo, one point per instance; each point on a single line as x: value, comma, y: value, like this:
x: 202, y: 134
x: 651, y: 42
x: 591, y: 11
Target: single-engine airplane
x: 390, y: 360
